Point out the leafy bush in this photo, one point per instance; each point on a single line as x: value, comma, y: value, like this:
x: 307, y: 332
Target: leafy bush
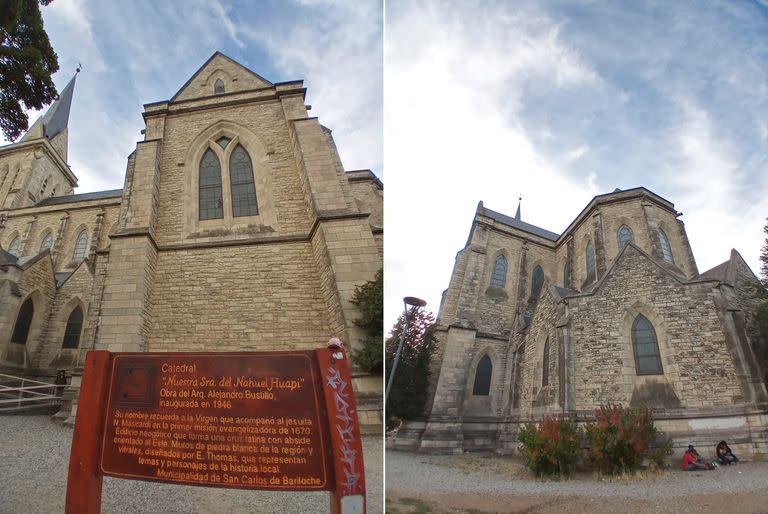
x: 621, y: 438
x: 551, y: 447
x: 369, y: 299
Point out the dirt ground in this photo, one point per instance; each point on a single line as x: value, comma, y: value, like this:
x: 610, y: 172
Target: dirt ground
x: 459, y: 488
x: 752, y: 501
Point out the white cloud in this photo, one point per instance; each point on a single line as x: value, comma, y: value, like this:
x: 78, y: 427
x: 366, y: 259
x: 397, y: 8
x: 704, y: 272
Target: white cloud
x: 338, y: 51
x: 73, y: 18
x: 453, y: 136
x: 708, y: 182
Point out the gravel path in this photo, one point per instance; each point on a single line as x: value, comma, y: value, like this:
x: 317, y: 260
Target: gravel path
x: 413, y: 474
x: 34, y: 456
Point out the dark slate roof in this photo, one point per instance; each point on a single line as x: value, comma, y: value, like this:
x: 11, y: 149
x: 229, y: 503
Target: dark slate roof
x: 96, y: 195
x: 57, y: 117
x: 719, y: 272
x: 7, y: 258
x: 512, y: 222
x: 62, y: 277
x: 563, y: 292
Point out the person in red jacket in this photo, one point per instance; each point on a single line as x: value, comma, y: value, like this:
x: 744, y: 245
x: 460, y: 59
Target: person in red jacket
x: 692, y: 461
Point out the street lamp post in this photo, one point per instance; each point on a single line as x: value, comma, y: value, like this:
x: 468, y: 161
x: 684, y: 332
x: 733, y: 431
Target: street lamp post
x: 415, y: 304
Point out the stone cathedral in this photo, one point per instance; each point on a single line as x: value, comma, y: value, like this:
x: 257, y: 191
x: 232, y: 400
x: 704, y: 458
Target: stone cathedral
x: 614, y: 310
x: 237, y: 229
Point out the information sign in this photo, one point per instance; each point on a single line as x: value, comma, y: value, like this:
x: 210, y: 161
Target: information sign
x: 277, y: 421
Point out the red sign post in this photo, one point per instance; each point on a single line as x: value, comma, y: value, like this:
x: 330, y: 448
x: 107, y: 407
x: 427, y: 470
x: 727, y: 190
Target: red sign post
x: 277, y: 421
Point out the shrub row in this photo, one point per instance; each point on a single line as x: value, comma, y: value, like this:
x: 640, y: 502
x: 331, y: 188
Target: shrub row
x: 619, y: 440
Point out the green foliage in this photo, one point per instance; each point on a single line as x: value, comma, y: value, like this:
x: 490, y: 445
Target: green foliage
x: 408, y: 396
x: 27, y: 62
x: 761, y: 318
x: 621, y: 438
x: 764, y: 256
x: 551, y: 447
x: 369, y: 299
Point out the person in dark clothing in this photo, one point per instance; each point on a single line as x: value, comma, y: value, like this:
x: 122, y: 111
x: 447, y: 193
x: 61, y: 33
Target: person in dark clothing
x: 724, y: 454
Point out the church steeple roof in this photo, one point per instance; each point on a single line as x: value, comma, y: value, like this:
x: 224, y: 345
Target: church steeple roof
x: 57, y: 117
x: 55, y: 120
x: 519, y: 202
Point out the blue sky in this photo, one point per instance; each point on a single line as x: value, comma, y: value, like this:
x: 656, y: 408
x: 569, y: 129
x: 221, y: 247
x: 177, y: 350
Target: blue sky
x: 559, y: 101
x: 139, y: 52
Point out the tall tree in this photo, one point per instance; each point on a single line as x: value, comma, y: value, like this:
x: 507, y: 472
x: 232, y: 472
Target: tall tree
x: 764, y: 256
x: 408, y: 397
x: 27, y: 62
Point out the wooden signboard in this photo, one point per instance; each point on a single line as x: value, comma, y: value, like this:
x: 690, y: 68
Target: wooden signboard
x: 278, y: 421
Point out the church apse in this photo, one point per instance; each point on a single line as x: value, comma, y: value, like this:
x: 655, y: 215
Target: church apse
x: 623, y: 316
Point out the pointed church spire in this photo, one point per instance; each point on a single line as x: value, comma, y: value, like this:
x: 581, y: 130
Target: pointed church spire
x: 517, y: 214
x: 56, y: 118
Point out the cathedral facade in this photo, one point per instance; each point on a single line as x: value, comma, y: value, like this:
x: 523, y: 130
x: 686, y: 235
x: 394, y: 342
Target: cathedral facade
x: 237, y: 229
x: 613, y: 310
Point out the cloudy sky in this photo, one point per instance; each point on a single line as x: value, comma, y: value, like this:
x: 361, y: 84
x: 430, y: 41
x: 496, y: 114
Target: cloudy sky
x: 558, y: 101
x: 139, y: 52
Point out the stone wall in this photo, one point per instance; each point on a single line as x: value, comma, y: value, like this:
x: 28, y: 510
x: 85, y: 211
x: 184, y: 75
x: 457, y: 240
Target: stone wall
x: 35, y: 281
x: 64, y: 223
x: 257, y: 297
x: 698, y: 369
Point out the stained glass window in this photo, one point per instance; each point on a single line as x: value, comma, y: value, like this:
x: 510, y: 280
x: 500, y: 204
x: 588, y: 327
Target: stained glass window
x: 13, y: 248
x: 80, y: 244
x: 47, y: 242
x: 218, y: 87
x: 646, y: 347
x: 537, y: 281
x: 591, y: 270
x: 625, y: 236
x: 211, y: 204
x: 499, y: 274
x: 243, y: 188
x: 666, y: 251
x: 223, y: 141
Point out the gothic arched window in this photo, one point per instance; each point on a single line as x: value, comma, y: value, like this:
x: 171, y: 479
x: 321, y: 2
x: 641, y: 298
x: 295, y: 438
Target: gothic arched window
x: 625, y: 236
x: 499, y: 274
x: 566, y: 275
x: 482, y: 386
x: 545, y: 365
x: 645, y: 347
x: 80, y: 244
x: 13, y: 248
x: 591, y: 270
x: 47, y: 242
x: 537, y: 281
x: 23, y: 322
x: 211, y: 204
x: 43, y: 187
x: 666, y: 251
x: 218, y: 87
x: 243, y: 188
x: 74, y: 326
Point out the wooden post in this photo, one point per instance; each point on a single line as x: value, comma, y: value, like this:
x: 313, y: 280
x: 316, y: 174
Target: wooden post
x: 85, y: 478
x: 349, y: 495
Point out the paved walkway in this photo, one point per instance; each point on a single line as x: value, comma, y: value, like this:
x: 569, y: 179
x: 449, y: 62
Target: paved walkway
x: 34, y: 457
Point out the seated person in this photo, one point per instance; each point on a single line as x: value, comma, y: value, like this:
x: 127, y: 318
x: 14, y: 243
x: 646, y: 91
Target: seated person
x: 724, y: 454
x: 692, y: 461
